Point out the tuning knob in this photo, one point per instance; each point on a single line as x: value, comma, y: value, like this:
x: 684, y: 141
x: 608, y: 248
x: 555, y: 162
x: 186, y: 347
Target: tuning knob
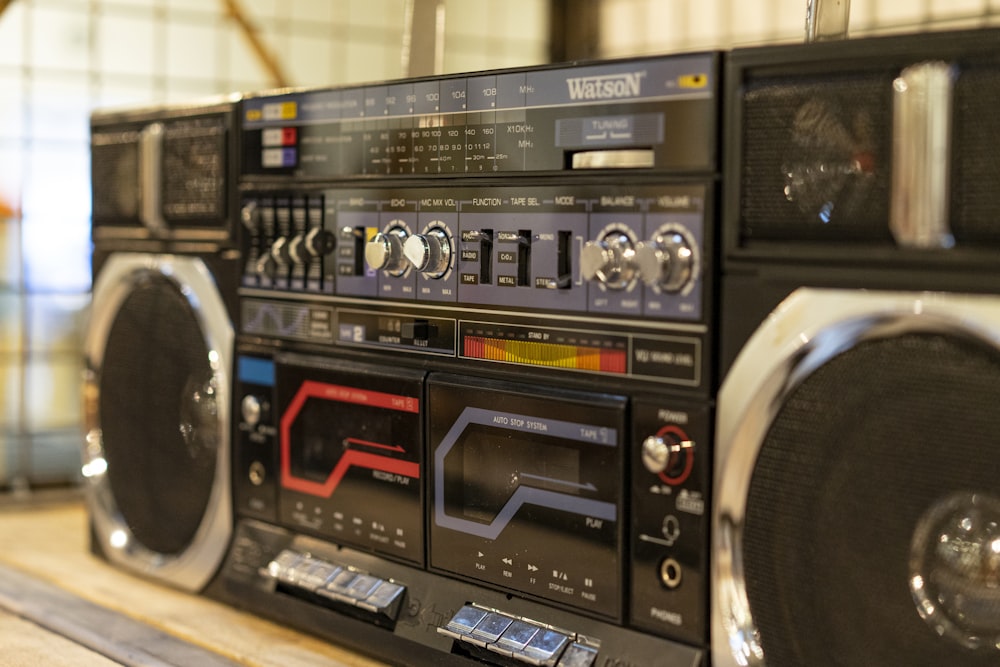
x: 666, y: 261
x: 660, y: 453
x: 385, y: 251
x: 430, y: 252
x: 610, y: 259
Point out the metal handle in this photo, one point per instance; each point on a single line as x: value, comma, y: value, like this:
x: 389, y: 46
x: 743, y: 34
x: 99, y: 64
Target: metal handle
x: 921, y: 149
x: 151, y: 178
x: 827, y: 19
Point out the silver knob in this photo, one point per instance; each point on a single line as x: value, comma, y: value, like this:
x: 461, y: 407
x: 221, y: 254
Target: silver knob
x: 430, y: 252
x: 610, y: 259
x: 657, y: 452
x: 665, y: 261
x: 251, y: 409
x: 385, y: 251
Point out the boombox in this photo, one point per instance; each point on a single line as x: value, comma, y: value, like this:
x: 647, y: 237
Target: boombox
x: 679, y: 361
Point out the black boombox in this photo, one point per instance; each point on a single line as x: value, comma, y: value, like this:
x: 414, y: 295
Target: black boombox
x: 674, y: 361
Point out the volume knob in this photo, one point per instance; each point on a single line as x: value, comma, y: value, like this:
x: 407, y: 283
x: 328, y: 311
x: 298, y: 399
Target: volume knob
x: 610, y: 259
x: 666, y: 261
x: 385, y: 251
x: 430, y: 252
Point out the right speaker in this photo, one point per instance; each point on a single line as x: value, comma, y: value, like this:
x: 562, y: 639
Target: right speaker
x: 857, y: 494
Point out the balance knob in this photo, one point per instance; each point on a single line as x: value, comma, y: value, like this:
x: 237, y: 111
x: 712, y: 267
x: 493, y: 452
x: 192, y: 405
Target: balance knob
x: 385, y: 251
x: 666, y: 261
x: 659, y: 454
x: 611, y: 260
x: 430, y: 252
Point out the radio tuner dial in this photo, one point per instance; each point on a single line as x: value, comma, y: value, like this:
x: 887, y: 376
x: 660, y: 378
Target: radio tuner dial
x: 430, y: 252
x: 385, y: 251
x: 610, y: 259
x: 666, y: 261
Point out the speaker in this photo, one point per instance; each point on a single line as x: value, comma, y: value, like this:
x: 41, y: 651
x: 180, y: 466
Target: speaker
x: 159, y: 343
x: 857, y: 509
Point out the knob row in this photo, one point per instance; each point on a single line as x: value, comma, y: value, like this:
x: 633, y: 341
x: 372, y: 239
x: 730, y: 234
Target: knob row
x: 396, y: 250
x: 665, y: 262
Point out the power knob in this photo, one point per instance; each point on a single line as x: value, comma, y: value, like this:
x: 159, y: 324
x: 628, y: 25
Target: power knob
x: 666, y: 261
x: 610, y: 259
x: 668, y: 454
x: 430, y: 252
x: 385, y: 251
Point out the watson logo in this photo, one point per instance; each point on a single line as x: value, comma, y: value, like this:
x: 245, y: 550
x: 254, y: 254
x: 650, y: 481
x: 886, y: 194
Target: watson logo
x: 607, y: 86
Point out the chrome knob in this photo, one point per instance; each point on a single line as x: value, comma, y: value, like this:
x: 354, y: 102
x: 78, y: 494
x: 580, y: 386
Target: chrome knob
x: 430, y: 252
x: 659, y: 452
x: 385, y: 251
x: 666, y: 261
x: 252, y: 409
x: 610, y: 259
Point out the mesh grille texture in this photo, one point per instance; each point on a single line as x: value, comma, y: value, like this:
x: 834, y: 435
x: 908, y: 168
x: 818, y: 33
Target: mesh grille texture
x: 158, y: 416
x: 855, y: 456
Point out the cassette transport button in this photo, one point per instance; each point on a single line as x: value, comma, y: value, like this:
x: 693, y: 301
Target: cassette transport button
x: 336, y: 585
x: 519, y: 639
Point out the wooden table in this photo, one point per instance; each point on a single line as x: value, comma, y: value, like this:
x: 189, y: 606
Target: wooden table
x: 53, y: 581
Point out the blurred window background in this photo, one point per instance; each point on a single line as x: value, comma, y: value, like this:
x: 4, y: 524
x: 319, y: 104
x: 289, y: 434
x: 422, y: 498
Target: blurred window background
x: 59, y: 59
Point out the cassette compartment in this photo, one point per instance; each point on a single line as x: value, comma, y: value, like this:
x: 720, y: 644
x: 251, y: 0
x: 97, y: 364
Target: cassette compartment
x: 350, y: 451
x: 527, y: 489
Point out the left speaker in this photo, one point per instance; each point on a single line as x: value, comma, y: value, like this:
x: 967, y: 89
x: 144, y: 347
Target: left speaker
x: 159, y: 345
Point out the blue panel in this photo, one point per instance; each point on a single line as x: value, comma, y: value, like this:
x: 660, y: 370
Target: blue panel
x: 256, y: 371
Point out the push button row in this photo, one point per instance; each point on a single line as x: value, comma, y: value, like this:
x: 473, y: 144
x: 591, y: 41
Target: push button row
x: 336, y: 583
x: 520, y: 639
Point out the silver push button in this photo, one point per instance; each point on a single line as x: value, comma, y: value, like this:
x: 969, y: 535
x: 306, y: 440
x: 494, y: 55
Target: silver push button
x: 520, y: 639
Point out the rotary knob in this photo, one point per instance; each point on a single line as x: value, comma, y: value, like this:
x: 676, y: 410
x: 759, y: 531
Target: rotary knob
x: 666, y: 261
x: 610, y: 259
x: 430, y: 252
x: 385, y: 251
x: 660, y: 453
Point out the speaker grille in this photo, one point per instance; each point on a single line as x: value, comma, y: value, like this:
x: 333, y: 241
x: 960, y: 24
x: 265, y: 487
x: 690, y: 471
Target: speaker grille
x: 194, y: 181
x: 159, y: 416
x: 816, y: 158
x: 854, y: 459
x: 975, y: 195
x: 115, y: 177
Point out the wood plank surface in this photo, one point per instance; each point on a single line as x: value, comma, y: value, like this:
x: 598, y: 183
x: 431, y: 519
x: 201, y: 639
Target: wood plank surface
x: 49, y: 542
